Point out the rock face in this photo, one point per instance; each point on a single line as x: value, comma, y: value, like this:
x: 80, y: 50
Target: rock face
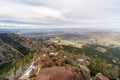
x: 13, y: 46
x: 55, y: 67
x: 60, y: 73
x: 99, y: 76
x: 52, y: 67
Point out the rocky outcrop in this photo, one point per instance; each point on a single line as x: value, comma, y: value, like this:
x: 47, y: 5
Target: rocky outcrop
x: 55, y: 66
x: 14, y: 46
x: 52, y: 67
x: 60, y: 73
x: 99, y: 76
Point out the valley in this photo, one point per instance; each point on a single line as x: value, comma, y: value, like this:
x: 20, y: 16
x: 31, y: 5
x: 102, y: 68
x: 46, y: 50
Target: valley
x: 90, y: 53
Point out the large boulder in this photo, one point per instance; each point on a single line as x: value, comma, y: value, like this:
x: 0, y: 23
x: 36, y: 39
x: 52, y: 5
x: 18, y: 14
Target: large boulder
x: 60, y: 73
x: 99, y: 76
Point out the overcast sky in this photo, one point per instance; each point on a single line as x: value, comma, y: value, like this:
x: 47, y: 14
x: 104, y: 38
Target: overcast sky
x: 59, y: 14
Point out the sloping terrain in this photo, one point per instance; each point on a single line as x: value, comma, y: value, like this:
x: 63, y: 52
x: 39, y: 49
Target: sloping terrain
x: 7, y: 53
x: 26, y: 59
x: 57, y: 66
x: 14, y: 46
x: 60, y: 73
x: 16, y: 52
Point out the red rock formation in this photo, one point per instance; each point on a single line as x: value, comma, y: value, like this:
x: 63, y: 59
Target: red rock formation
x: 53, y: 68
x: 44, y: 61
x: 99, y: 76
x: 60, y: 73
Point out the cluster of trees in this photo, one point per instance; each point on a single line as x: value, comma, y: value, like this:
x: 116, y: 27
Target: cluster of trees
x: 10, y: 67
x: 91, y: 50
x: 99, y: 61
x: 99, y: 65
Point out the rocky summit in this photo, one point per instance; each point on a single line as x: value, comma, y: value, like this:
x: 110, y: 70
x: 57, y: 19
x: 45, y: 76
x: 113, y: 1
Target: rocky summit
x: 28, y: 59
x: 51, y: 66
x: 54, y: 66
x: 60, y: 73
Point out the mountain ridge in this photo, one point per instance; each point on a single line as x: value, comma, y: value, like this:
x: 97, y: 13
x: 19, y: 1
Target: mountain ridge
x: 19, y: 54
x: 15, y: 46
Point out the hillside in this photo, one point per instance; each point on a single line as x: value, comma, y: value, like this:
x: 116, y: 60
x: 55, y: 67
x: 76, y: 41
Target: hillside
x: 16, y: 52
x: 26, y: 59
x: 14, y: 46
x: 57, y: 66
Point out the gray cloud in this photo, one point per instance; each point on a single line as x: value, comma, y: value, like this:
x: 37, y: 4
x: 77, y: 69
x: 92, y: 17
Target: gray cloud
x: 60, y: 12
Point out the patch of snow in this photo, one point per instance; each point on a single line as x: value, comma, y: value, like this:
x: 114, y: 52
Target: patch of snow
x: 64, y: 56
x: 27, y: 72
x: 51, y: 53
x: 44, y: 55
x: 80, y: 60
x: 56, y: 54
